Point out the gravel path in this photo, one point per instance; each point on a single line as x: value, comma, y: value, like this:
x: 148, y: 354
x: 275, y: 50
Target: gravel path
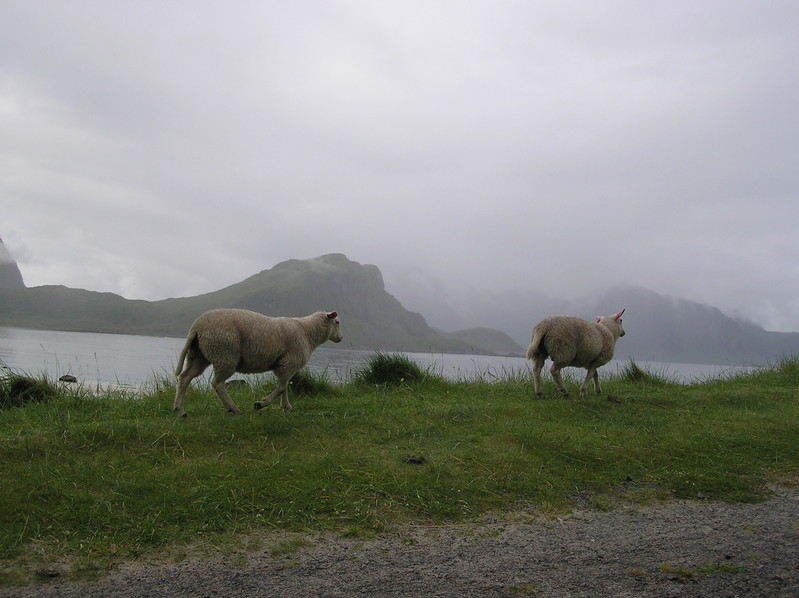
x: 677, y: 549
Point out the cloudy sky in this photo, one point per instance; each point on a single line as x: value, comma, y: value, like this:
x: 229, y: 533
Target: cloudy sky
x: 161, y: 149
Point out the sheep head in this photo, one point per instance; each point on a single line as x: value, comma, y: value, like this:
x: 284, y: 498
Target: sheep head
x: 615, y: 318
x: 335, y: 330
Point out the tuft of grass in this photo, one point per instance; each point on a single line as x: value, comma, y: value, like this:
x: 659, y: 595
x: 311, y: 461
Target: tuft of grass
x: 307, y: 383
x: 290, y: 546
x: 384, y: 369
x: 678, y: 571
x: 525, y: 589
x: 683, y: 572
x: 634, y: 374
x: 17, y: 391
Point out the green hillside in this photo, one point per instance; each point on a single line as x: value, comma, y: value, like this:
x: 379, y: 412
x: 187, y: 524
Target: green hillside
x: 371, y: 317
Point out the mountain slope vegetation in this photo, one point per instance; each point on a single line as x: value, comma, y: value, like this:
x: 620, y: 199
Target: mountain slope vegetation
x: 371, y: 317
x: 659, y: 327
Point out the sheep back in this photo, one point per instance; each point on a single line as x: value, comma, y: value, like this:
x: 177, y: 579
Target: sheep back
x: 572, y: 341
x: 251, y: 342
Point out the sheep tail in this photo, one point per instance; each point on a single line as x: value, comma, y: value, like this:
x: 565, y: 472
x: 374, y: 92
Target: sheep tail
x: 184, y: 351
x: 532, y: 350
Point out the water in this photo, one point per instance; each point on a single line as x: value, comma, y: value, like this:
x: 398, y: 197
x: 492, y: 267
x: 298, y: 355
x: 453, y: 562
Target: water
x: 127, y: 361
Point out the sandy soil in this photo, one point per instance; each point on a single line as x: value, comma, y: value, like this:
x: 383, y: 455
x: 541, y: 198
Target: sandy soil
x: 683, y: 548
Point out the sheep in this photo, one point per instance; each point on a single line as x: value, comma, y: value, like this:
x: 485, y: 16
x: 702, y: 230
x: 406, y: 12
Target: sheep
x: 573, y: 342
x: 239, y: 340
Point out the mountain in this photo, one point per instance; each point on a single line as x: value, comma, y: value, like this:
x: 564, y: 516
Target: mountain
x: 495, y: 341
x: 10, y: 276
x: 371, y: 317
x: 658, y: 327
x: 672, y: 329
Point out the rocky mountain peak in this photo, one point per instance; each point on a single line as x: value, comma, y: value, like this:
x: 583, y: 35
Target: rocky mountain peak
x: 10, y: 276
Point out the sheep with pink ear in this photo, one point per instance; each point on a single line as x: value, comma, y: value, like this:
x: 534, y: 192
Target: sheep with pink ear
x: 238, y: 340
x: 573, y: 342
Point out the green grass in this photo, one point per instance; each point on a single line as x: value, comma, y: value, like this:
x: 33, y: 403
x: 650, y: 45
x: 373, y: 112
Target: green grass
x: 98, y: 479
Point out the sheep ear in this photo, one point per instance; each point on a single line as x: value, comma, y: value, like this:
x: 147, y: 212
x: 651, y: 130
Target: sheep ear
x: 618, y: 315
x: 598, y: 319
x: 332, y: 315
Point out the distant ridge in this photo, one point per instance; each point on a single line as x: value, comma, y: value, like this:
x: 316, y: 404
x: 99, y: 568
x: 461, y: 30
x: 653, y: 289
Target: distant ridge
x: 659, y: 327
x: 10, y: 276
x: 673, y: 329
x: 371, y: 317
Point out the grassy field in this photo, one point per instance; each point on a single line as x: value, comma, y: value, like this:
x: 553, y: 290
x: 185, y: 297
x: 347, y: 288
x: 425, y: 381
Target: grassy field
x: 95, y: 480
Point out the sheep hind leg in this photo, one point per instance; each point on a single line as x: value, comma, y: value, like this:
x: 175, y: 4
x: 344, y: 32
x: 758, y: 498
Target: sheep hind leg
x: 538, y: 364
x: 193, y: 369
x: 220, y: 376
x: 555, y: 371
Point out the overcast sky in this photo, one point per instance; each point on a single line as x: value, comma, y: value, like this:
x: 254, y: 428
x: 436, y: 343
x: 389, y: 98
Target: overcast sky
x: 162, y: 149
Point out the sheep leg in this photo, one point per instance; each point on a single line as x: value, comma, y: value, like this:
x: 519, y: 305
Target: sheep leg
x: 220, y: 376
x: 282, y: 390
x: 193, y: 369
x: 592, y: 374
x: 597, y: 385
x: 555, y: 371
x: 284, y: 399
x: 537, y: 365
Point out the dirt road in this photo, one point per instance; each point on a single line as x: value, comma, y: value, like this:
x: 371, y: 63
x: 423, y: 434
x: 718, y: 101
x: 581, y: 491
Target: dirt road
x: 679, y: 549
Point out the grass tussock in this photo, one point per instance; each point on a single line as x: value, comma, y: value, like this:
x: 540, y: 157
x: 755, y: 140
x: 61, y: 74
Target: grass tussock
x: 306, y: 383
x: 632, y: 373
x: 17, y: 391
x: 96, y: 479
x: 384, y: 369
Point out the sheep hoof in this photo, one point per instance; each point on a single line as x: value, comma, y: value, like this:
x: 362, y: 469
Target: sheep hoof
x: 540, y: 395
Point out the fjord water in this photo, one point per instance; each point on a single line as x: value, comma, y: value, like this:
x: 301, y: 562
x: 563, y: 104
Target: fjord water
x: 120, y: 360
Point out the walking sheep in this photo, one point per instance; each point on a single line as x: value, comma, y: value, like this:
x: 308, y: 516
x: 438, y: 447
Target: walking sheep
x: 572, y: 342
x: 238, y: 340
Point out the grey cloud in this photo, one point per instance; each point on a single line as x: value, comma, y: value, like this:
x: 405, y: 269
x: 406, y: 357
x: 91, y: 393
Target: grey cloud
x: 172, y: 149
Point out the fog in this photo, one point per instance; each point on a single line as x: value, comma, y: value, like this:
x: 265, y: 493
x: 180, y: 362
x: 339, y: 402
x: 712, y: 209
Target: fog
x: 168, y: 149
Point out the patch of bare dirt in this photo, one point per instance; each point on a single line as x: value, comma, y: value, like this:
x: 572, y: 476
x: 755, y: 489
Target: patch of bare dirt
x: 678, y: 549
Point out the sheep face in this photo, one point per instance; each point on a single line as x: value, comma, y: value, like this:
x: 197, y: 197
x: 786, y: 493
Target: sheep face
x: 335, y: 327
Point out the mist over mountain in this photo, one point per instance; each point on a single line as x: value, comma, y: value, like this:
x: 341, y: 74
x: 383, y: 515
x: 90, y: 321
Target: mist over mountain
x: 659, y: 327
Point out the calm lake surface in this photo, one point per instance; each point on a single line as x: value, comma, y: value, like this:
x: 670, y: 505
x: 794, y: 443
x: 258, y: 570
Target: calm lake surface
x: 120, y: 360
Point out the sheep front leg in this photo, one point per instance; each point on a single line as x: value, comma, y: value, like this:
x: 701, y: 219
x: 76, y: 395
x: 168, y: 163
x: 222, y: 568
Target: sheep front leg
x: 284, y: 400
x: 282, y: 390
x: 597, y: 385
x: 592, y: 374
